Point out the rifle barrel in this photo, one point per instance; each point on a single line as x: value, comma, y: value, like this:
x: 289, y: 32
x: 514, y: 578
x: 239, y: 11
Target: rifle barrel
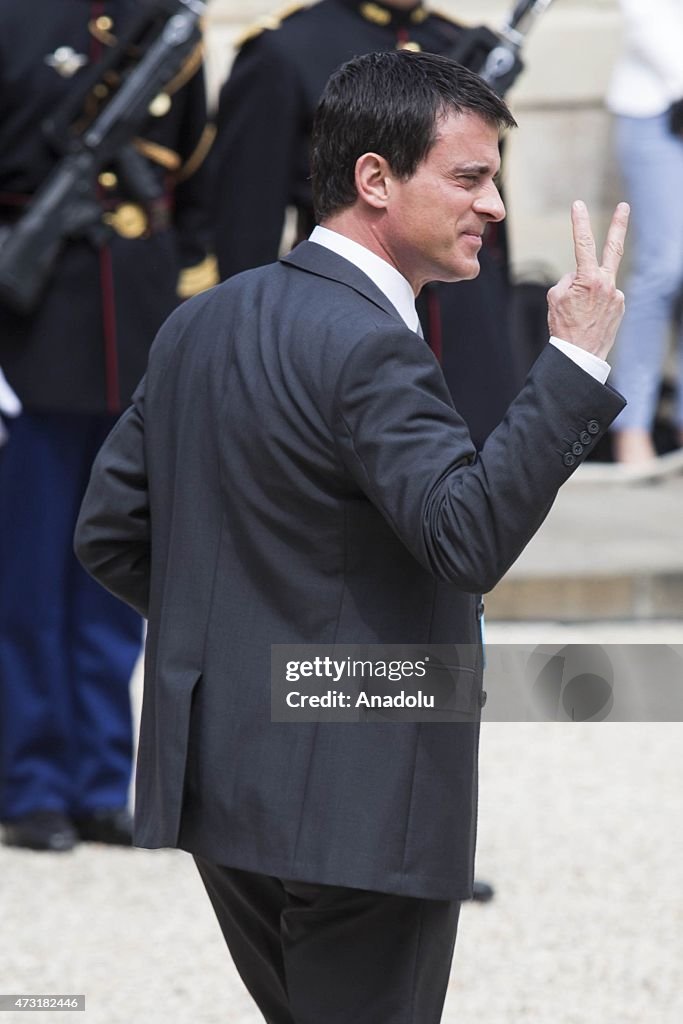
x: 143, y: 82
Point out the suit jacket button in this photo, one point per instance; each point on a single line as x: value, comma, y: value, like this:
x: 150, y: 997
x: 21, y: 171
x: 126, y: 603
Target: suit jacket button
x: 584, y: 437
x: 483, y: 697
x: 593, y: 427
x: 577, y: 448
x: 569, y: 459
x: 480, y: 609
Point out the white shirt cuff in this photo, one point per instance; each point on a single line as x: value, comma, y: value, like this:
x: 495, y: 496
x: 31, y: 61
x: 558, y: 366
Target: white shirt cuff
x: 594, y: 365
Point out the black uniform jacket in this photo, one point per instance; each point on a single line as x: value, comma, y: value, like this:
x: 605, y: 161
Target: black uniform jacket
x: 292, y: 470
x: 260, y: 166
x: 85, y: 347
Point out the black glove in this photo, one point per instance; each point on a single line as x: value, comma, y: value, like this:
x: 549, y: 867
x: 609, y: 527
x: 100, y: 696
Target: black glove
x: 676, y: 118
x: 472, y: 50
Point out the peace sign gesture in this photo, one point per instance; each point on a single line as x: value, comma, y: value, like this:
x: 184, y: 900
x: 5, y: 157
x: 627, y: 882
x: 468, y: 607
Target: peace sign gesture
x: 586, y: 307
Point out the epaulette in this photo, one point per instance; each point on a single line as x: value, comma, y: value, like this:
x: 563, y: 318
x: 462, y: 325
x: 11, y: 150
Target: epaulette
x: 268, y: 22
x: 193, y: 280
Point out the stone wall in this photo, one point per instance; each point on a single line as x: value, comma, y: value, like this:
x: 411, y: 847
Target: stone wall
x: 562, y: 149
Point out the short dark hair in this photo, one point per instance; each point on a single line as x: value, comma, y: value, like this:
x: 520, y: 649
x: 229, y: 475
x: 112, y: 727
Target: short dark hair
x: 389, y: 103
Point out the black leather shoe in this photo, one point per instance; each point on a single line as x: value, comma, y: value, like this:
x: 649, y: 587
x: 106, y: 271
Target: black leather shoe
x: 482, y: 892
x: 41, y: 830
x: 107, y: 826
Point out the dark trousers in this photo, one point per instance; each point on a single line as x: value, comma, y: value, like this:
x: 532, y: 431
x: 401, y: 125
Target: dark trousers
x: 67, y: 647
x: 319, y: 954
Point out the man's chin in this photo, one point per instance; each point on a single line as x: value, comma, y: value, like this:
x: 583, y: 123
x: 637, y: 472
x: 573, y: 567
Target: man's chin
x: 474, y: 272
x: 452, y: 275
x: 465, y: 271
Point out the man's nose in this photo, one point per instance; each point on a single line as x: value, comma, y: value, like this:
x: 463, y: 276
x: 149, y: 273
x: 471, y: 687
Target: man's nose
x: 490, y: 204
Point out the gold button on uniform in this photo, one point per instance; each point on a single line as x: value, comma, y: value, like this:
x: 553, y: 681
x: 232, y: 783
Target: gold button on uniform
x: 103, y: 23
x: 410, y: 45
x: 128, y: 221
x: 108, y: 179
x: 160, y: 105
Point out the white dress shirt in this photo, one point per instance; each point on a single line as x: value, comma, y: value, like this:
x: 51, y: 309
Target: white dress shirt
x: 387, y: 278
x: 648, y: 76
x: 400, y: 293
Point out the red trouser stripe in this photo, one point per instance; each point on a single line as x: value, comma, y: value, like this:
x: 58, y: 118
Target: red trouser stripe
x: 111, y: 358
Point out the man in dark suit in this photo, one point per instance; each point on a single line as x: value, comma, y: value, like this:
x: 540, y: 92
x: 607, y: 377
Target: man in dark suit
x: 293, y: 470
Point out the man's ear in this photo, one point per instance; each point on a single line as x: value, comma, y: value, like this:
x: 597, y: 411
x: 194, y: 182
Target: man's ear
x: 373, y: 180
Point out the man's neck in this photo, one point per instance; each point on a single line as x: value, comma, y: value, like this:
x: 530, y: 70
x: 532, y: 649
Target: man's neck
x: 363, y: 232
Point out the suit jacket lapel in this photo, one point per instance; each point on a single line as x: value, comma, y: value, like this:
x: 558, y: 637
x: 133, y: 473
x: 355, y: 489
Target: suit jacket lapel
x: 316, y: 259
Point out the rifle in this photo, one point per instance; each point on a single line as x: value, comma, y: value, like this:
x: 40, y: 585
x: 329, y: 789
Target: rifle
x: 66, y: 205
x: 495, y: 55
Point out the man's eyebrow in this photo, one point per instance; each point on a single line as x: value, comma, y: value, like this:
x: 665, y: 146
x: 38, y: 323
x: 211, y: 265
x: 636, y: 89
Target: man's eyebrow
x: 471, y: 168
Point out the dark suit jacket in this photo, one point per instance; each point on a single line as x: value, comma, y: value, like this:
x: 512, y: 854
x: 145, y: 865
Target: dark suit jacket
x: 293, y: 470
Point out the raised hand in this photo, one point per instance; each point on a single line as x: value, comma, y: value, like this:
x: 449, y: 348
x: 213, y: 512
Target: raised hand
x: 586, y: 307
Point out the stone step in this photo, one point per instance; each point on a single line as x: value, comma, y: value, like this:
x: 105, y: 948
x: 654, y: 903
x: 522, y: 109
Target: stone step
x: 608, y: 550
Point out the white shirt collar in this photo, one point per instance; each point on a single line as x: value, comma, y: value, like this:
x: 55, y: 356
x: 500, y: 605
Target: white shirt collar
x: 387, y: 278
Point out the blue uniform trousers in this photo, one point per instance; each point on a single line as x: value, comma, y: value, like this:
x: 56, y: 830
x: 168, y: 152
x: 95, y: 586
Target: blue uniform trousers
x: 67, y: 647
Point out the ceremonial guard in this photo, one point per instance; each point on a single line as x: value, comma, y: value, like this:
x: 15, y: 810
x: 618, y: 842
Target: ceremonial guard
x: 260, y: 162
x: 67, y: 648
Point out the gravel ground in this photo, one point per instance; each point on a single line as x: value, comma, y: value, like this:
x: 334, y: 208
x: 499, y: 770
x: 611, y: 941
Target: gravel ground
x: 581, y: 830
